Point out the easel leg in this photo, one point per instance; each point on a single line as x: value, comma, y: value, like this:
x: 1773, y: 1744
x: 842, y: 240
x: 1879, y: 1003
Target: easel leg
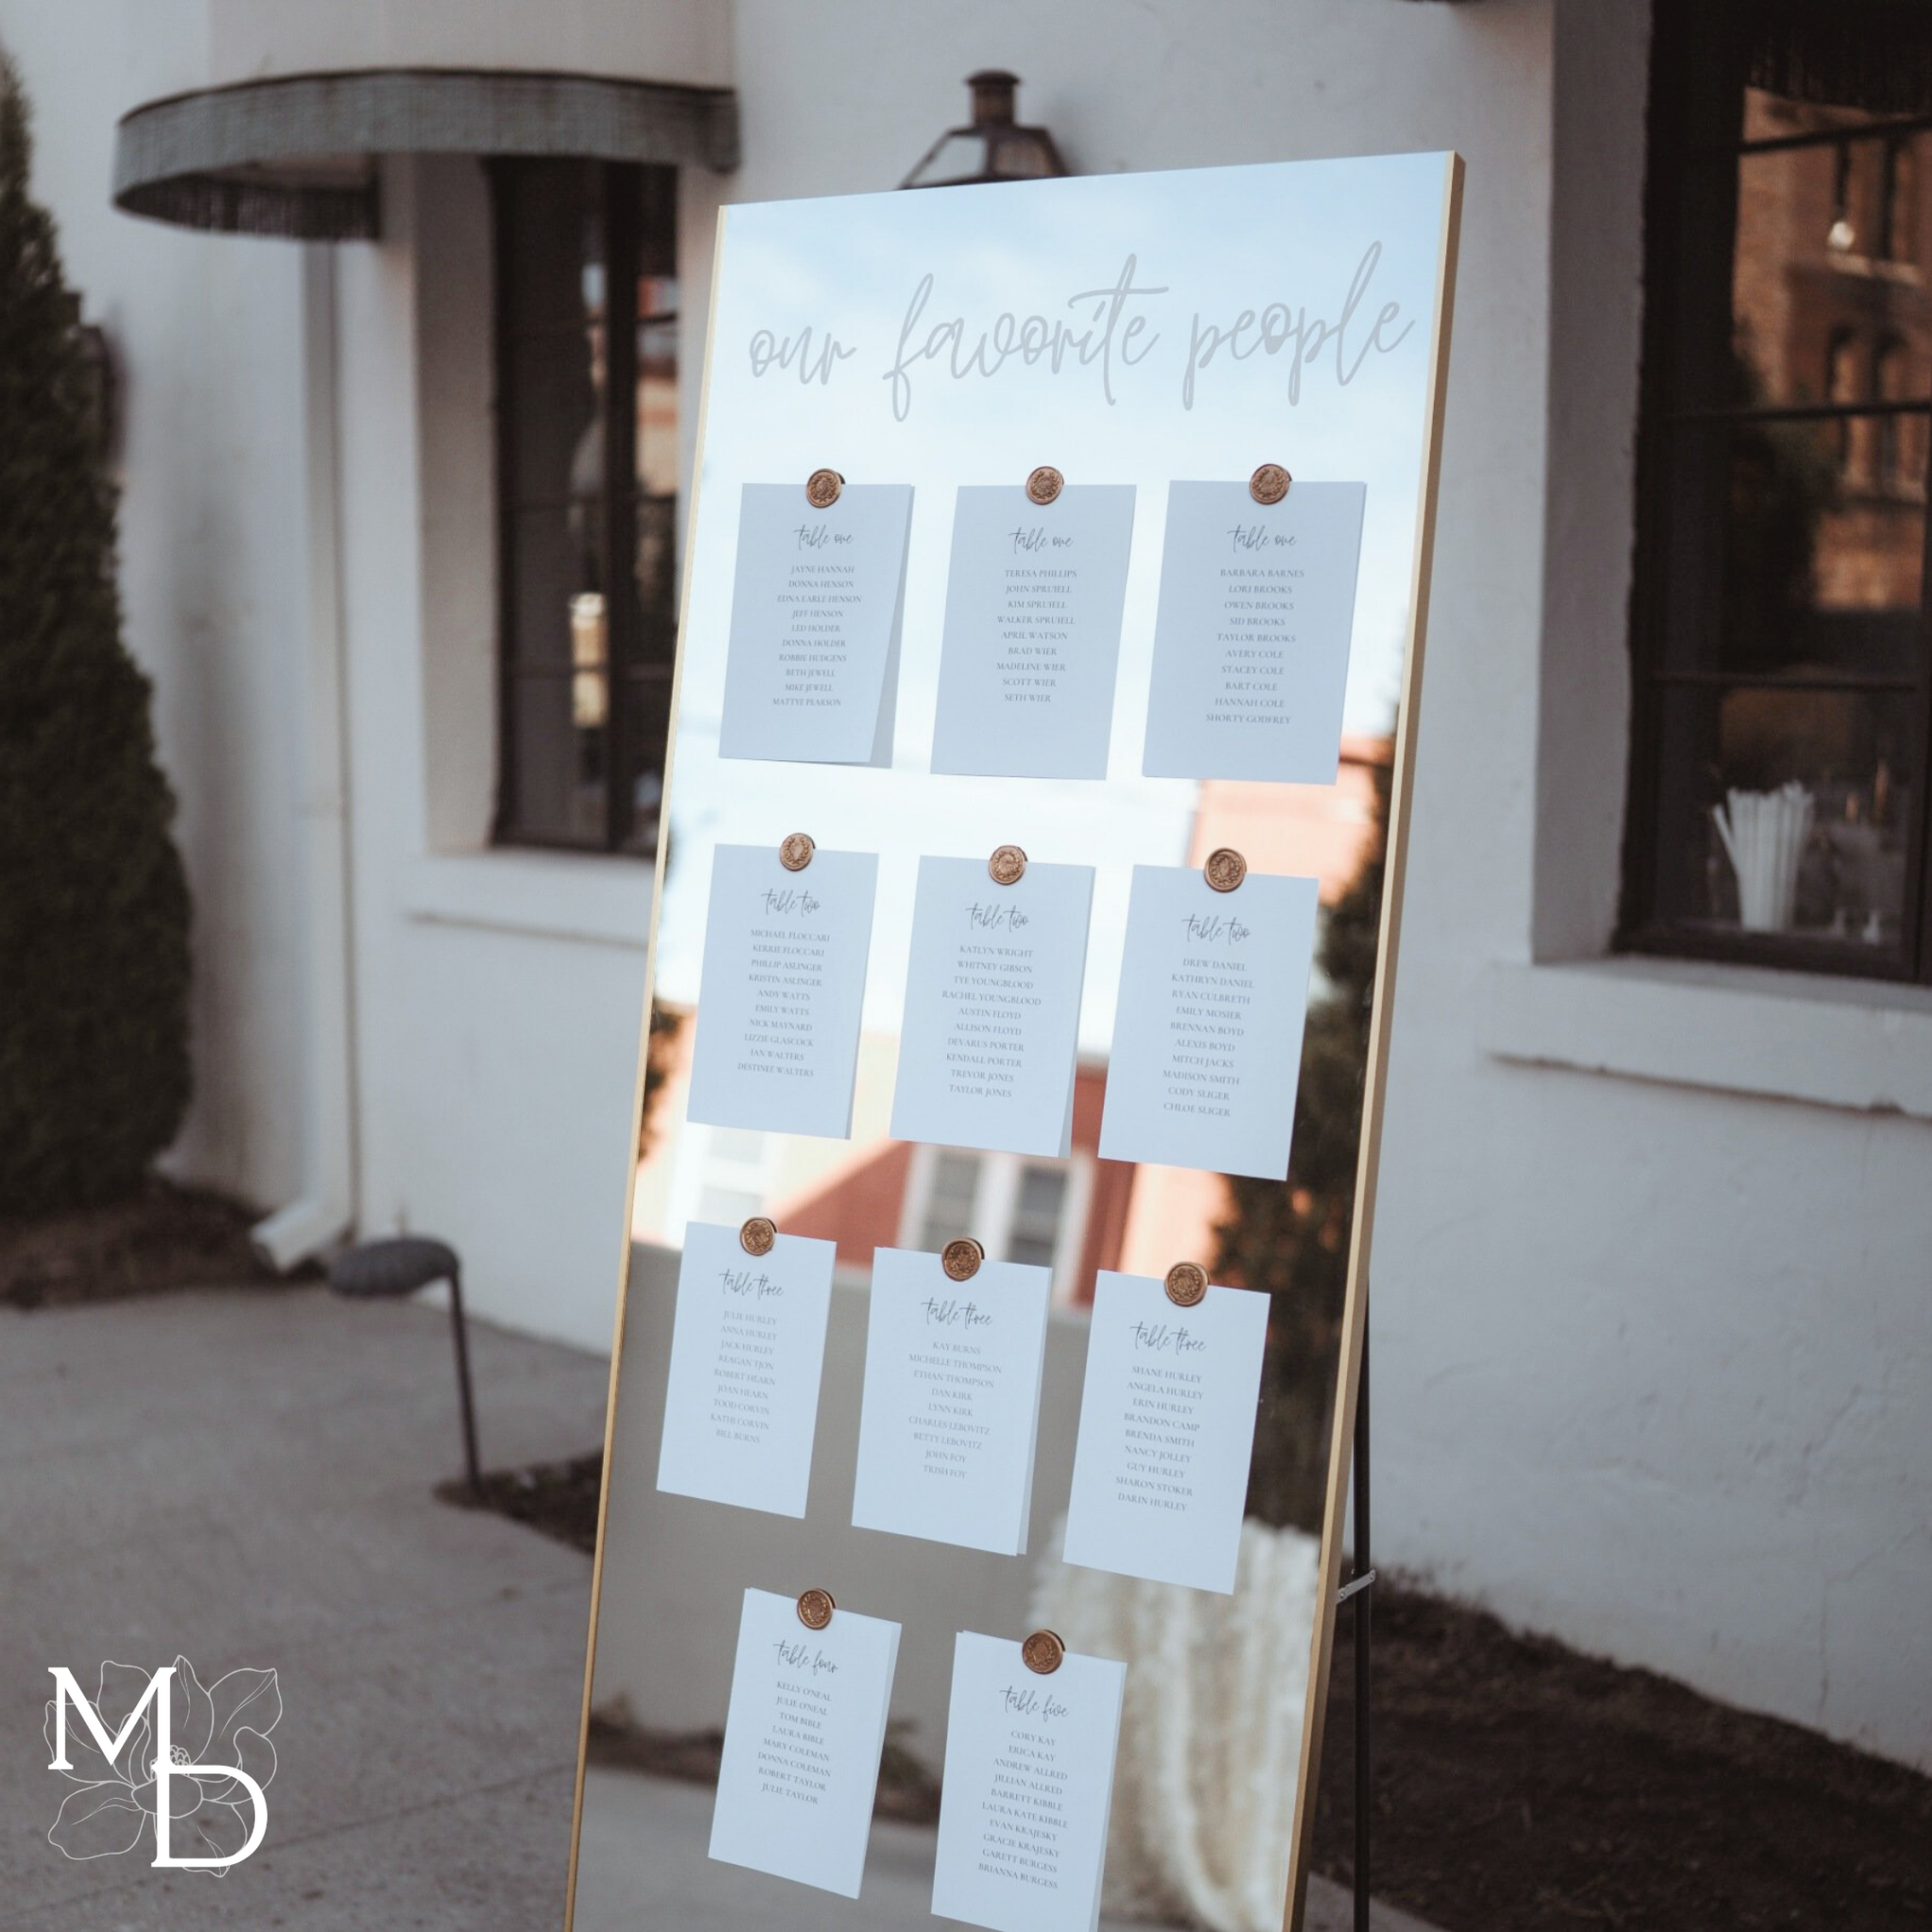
x: 1363, y: 1599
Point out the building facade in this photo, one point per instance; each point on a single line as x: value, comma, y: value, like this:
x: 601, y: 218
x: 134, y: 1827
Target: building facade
x: 1652, y: 1306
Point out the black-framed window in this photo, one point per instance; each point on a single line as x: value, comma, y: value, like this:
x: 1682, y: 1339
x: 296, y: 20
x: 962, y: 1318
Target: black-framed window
x: 586, y: 452
x: 1783, y: 658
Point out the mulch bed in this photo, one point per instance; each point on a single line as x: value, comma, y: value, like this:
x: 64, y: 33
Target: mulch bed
x: 161, y: 1238
x: 1518, y: 1785
x: 558, y: 1498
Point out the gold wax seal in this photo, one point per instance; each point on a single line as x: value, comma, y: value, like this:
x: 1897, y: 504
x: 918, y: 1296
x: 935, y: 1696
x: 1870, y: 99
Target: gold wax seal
x: 1006, y: 865
x: 815, y: 1607
x: 1044, y: 484
x: 1269, y: 484
x: 1187, y: 1284
x: 822, y: 488
x: 795, y: 853
x: 757, y: 1234
x: 961, y: 1259
x: 1043, y: 1652
x: 1226, y: 869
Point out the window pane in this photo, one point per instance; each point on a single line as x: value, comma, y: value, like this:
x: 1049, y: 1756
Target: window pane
x: 584, y: 250
x: 552, y: 243
x: 555, y: 400
x: 647, y: 724
x: 1820, y: 561
x: 1036, y: 1230
x: 949, y: 1208
x: 657, y: 335
x: 1818, y: 793
x: 658, y: 453
x: 1832, y: 242
x: 657, y: 579
x: 558, y: 727
x: 556, y: 602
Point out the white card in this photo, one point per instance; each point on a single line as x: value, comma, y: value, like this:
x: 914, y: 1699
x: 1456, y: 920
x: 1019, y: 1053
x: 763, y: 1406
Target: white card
x: 1167, y: 1431
x: 1027, y: 1788
x: 950, y: 1406
x: 747, y: 1347
x: 992, y: 1008
x: 802, y: 1741
x: 781, y: 991
x: 1251, y: 632
x: 1207, y: 1029
x: 1033, y: 632
x: 811, y: 669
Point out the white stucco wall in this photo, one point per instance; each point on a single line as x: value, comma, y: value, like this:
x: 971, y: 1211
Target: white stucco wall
x: 1652, y: 1362
x: 497, y: 992
x: 684, y: 40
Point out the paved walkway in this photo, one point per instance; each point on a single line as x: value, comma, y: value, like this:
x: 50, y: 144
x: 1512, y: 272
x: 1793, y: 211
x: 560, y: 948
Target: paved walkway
x: 645, y: 1867
x: 244, y: 1478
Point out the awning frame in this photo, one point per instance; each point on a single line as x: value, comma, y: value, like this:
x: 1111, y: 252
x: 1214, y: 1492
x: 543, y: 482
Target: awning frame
x: 296, y: 156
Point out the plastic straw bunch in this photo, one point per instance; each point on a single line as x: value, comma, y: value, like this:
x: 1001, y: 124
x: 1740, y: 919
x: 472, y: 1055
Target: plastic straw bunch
x: 1764, y: 833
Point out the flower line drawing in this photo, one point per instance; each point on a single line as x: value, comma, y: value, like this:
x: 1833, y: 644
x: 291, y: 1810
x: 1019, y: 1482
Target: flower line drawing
x: 112, y: 1806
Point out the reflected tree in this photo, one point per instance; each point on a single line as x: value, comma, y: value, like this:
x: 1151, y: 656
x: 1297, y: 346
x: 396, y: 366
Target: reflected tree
x: 1290, y: 1240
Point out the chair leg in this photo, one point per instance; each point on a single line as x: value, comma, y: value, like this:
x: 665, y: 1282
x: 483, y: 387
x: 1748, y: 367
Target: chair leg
x: 463, y: 1395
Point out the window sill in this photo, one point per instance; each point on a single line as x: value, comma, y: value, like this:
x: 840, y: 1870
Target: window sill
x: 583, y: 897
x: 1863, y: 1044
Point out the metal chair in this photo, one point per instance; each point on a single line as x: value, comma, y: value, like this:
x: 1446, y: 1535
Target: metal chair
x: 399, y: 1265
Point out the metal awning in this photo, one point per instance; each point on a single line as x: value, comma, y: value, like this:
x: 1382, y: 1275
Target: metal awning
x: 296, y: 157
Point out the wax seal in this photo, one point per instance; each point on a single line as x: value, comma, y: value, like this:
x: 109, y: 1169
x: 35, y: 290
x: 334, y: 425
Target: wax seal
x: 1187, y: 1284
x: 961, y: 1259
x: 1043, y: 1652
x: 1226, y: 869
x: 822, y: 488
x: 1269, y: 484
x: 1044, y: 484
x: 815, y: 1607
x: 794, y: 854
x: 1006, y: 865
x: 757, y: 1234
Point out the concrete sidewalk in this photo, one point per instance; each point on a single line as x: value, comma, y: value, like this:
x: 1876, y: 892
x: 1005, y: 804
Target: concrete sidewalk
x: 645, y: 1867
x: 243, y: 1477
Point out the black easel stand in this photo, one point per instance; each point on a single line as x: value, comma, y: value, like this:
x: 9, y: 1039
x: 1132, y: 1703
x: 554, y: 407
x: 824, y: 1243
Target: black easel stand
x: 1360, y: 1588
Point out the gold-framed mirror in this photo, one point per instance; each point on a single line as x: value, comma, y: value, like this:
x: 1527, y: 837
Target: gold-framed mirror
x: 919, y: 374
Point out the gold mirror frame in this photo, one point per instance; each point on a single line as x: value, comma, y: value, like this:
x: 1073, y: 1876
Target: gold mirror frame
x: 1355, y: 1303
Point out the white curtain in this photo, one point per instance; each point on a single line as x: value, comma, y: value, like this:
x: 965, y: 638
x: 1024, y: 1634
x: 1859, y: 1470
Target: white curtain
x: 1210, y: 1729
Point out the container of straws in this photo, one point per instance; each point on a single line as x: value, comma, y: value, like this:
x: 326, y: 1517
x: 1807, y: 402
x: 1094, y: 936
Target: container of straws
x: 1764, y: 833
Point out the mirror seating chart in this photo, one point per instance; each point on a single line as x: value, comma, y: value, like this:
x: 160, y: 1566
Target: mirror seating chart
x: 1045, y: 707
